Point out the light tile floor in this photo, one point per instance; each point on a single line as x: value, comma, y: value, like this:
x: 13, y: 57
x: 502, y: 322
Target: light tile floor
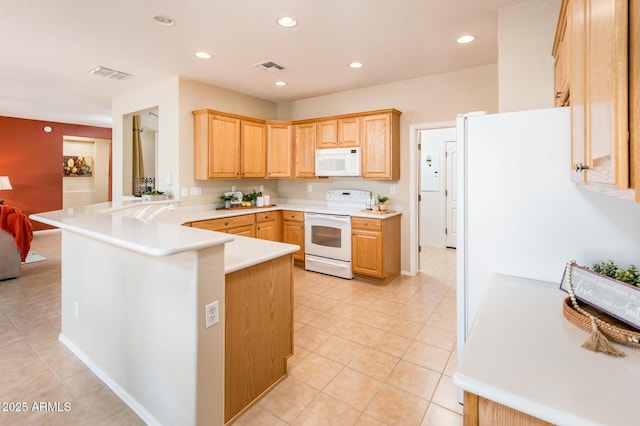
x: 365, y: 354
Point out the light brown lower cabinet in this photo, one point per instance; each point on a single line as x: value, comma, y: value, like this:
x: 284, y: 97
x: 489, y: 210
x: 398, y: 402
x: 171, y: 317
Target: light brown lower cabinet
x: 258, y: 332
x: 293, y: 231
x: 479, y: 411
x: 375, y: 248
x: 267, y: 225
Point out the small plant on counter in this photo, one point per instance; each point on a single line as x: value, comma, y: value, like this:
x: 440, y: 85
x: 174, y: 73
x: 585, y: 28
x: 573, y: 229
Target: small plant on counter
x: 153, y: 192
x: 382, y: 199
x: 382, y: 202
x: 631, y: 275
x: 153, y: 195
x: 228, y: 198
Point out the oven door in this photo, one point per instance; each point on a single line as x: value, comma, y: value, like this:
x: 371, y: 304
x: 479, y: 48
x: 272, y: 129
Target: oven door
x: 328, y: 235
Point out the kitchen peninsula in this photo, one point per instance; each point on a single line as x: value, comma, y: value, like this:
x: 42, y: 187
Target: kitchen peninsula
x: 134, y: 291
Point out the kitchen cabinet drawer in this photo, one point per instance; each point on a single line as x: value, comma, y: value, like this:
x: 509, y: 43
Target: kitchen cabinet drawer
x: 266, y: 216
x: 225, y: 223
x: 293, y: 216
x: 363, y: 223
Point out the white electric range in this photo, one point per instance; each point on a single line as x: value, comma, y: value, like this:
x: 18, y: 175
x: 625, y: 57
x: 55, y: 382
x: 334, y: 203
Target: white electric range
x: 327, y: 232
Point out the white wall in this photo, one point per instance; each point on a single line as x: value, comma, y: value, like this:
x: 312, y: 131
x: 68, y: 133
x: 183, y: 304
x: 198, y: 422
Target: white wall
x: 195, y: 95
x: 164, y: 97
x: 437, y: 98
x: 140, y: 327
x: 525, y: 40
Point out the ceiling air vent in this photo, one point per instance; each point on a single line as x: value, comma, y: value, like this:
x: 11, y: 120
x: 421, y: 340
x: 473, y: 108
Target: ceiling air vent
x: 109, y: 73
x: 269, y: 66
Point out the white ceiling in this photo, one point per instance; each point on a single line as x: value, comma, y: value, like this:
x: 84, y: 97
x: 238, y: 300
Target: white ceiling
x: 48, y: 46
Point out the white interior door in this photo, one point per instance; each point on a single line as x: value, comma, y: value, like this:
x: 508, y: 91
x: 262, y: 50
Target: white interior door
x: 451, y: 193
x: 433, y: 185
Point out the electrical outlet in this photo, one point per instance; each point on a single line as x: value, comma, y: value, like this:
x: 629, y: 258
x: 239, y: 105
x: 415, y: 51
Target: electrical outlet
x: 195, y: 190
x: 211, y: 314
x: 262, y: 189
x: 309, y: 188
x: 392, y: 190
x: 185, y: 192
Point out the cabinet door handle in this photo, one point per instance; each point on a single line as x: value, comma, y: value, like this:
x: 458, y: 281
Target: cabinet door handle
x: 580, y: 167
x: 558, y: 94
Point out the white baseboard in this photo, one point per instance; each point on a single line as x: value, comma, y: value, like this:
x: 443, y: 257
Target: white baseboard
x: 111, y: 384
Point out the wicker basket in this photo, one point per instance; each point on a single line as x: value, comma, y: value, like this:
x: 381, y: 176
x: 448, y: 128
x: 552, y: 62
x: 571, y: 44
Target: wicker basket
x: 614, y: 330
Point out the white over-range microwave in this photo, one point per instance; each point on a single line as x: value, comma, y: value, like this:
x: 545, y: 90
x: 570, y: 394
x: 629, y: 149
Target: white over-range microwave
x: 338, y: 162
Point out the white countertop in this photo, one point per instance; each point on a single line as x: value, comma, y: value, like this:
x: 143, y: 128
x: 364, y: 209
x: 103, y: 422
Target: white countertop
x: 197, y: 213
x: 161, y: 236
x: 524, y: 354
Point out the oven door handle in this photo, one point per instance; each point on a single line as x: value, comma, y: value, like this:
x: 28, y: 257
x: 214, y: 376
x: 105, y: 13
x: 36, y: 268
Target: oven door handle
x: 334, y: 218
x: 337, y: 265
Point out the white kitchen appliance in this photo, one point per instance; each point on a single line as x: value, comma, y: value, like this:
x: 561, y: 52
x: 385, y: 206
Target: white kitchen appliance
x: 520, y: 214
x: 327, y: 232
x: 338, y: 162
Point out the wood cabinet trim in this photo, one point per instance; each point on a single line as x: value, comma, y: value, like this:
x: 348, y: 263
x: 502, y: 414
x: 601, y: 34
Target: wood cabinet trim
x: 560, y: 28
x: 354, y: 114
x: 229, y: 115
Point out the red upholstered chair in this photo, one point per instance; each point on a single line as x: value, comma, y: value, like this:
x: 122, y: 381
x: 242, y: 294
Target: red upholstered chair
x: 16, y: 234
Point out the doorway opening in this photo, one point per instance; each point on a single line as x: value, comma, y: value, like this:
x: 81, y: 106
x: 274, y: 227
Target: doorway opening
x: 429, y: 207
x: 147, y: 126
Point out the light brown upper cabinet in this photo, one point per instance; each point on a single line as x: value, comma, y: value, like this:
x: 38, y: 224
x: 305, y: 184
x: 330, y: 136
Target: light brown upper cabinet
x: 561, y: 59
x: 602, y: 47
x: 304, y: 150
x: 228, y: 146
x: 380, y: 141
x: 233, y: 146
x: 349, y: 132
x: 279, y: 150
x: 327, y: 136
x: 253, y: 148
x: 338, y: 133
x: 217, y: 146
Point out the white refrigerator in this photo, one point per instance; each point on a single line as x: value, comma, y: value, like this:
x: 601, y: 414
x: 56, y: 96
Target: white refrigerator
x: 520, y: 214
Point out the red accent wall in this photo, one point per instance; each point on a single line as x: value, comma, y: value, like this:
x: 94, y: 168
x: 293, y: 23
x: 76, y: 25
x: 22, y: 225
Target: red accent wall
x: 32, y: 159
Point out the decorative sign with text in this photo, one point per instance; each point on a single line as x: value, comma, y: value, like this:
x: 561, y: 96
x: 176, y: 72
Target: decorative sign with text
x: 615, y: 298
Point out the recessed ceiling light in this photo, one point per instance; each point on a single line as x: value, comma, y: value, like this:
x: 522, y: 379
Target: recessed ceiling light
x: 163, y: 20
x: 465, y: 39
x: 203, y: 55
x: 356, y: 65
x: 47, y: 129
x: 280, y: 83
x: 287, y: 22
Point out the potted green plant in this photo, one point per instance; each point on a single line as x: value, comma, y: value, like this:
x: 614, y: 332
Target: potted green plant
x: 153, y: 195
x: 382, y: 202
x: 228, y: 198
x: 247, y: 200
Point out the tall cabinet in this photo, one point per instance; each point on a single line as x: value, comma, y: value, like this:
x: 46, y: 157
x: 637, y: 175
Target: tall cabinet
x: 380, y: 140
